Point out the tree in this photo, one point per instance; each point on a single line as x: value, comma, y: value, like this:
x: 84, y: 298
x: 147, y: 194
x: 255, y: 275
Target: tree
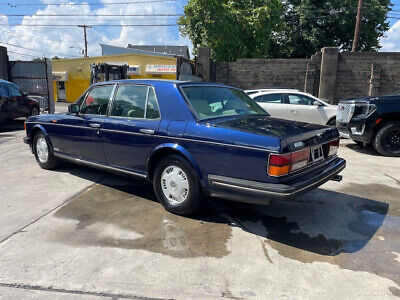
x: 314, y: 24
x: 234, y: 29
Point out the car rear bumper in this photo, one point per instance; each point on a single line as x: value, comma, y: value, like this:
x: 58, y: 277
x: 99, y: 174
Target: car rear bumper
x: 259, y: 192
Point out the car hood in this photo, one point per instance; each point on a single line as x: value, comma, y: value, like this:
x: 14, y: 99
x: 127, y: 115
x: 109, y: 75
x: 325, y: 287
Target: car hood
x: 290, y: 131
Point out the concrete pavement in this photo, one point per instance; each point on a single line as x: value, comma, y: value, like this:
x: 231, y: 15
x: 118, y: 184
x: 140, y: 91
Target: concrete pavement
x: 81, y: 233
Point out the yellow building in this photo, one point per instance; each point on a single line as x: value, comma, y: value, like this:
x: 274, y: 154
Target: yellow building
x: 71, y: 77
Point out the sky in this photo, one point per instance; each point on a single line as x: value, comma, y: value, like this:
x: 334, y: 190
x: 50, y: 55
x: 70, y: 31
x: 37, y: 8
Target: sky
x: 27, y: 42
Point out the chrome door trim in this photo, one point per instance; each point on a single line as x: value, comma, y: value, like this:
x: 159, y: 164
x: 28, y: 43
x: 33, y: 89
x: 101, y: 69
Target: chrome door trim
x: 167, y: 137
x: 97, y: 165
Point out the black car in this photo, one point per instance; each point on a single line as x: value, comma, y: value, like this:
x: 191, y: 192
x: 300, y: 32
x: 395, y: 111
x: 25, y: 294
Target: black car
x: 372, y: 120
x: 14, y: 103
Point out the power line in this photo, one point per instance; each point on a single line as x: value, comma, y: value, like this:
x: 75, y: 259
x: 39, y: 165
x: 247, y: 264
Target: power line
x: 41, y: 38
x: 42, y: 52
x: 21, y: 53
x: 94, y: 25
x: 86, y: 4
x: 99, y: 15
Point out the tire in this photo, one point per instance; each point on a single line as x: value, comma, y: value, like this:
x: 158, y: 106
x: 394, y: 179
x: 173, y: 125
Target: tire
x: 332, y: 122
x: 40, y: 146
x: 387, y: 139
x: 177, y: 186
x: 35, y: 110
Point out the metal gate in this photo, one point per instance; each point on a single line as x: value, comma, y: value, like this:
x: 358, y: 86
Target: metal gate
x: 34, y: 78
x: 188, y: 70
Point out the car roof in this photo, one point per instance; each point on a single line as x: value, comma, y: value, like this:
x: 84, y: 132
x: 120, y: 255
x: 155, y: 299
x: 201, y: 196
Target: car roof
x: 272, y: 89
x: 5, y: 81
x: 156, y: 82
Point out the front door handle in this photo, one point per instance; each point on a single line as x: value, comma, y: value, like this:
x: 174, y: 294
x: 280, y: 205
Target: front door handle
x: 293, y: 111
x: 147, y: 131
x: 95, y: 125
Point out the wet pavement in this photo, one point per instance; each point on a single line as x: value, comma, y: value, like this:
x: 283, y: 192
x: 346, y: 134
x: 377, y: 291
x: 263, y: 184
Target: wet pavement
x: 110, y: 238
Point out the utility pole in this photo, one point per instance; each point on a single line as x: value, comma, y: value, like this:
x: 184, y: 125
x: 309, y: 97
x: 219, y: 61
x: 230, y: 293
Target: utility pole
x: 356, y: 39
x: 84, y: 33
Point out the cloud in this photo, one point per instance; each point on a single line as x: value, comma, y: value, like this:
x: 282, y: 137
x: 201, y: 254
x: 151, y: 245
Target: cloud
x: 68, y: 41
x: 391, y: 42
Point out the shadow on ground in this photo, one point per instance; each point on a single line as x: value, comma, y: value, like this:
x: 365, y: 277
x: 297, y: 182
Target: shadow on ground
x: 11, y: 126
x: 368, y: 149
x: 322, y: 226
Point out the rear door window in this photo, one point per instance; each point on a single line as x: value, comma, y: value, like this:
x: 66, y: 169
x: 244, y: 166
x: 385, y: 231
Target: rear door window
x: 14, y: 91
x: 130, y: 101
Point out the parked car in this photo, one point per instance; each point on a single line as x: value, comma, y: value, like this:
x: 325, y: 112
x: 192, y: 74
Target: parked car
x: 14, y: 103
x: 188, y: 138
x: 296, y: 106
x: 372, y: 120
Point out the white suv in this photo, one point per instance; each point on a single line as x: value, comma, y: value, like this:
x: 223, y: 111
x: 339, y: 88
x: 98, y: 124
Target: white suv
x: 295, y: 105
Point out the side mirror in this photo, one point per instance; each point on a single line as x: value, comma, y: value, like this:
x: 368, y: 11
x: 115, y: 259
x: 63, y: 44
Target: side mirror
x: 73, y: 109
x: 317, y: 103
x: 25, y: 94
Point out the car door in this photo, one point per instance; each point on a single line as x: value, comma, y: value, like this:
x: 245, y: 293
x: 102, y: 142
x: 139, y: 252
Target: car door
x: 17, y: 106
x: 273, y: 104
x: 131, y: 129
x: 81, y: 135
x: 4, y: 103
x: 303, y: 108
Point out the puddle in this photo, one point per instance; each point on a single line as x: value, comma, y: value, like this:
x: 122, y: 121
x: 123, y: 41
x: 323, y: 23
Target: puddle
x: 350, y: 231
x: 127, y: 216
x: 337, y: 228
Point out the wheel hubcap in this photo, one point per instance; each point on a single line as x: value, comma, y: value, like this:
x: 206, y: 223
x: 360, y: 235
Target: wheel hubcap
x: 174, y: 184
x: 42, y: 150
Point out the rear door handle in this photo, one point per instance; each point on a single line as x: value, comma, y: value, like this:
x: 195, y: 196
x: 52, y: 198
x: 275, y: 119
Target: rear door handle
x: 147, y: 131
x: 95, y: 125
x: 293, y: 111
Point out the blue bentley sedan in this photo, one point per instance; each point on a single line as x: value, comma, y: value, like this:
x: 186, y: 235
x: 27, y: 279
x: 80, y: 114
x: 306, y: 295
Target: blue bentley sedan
x: 188, y: 139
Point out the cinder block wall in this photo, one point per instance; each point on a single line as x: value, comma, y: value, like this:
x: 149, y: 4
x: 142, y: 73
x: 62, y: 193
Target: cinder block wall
x: 262, y: 73
x: 350, y: 75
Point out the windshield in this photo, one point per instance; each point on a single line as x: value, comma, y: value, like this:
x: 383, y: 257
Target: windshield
x: 213, y: 102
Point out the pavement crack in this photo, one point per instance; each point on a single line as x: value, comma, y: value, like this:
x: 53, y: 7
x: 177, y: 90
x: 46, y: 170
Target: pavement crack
x: 76, y: 292
x: 51, y: 210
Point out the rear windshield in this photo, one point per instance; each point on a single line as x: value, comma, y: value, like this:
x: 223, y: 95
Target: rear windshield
x: 213, y: 102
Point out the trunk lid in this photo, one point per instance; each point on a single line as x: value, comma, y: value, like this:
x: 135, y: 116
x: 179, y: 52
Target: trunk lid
x: 297, y: 135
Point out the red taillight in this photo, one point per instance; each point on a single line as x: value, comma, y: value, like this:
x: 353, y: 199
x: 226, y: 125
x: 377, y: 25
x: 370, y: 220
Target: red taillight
x: 333, y: 147
x: 283, y: 164
x: 25, y: 125
x: 280, y: 160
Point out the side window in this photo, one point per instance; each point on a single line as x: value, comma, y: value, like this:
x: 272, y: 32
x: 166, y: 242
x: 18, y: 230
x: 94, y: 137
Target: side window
x: 300, y: 99
x: 14, y: 91
x: 152, y: 111
x: 272, y: 98
x: 130, y: 101
x: 97, y: 100
x: 3, y: 91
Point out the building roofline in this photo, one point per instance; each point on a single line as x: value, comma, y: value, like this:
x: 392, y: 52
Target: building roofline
x: 159, y: 55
